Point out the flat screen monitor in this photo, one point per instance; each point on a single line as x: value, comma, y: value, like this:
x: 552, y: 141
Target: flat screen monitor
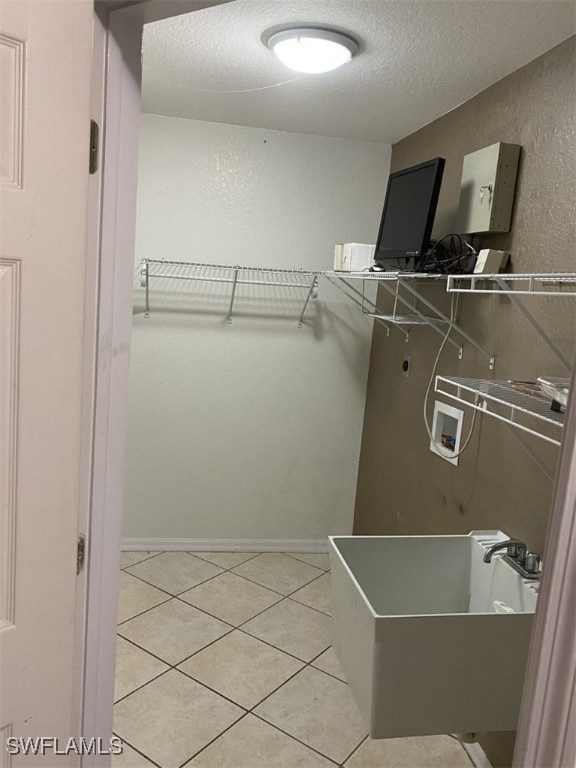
x: 408, y: 215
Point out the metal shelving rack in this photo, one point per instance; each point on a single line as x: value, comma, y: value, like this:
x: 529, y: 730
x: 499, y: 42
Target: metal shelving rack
x: 402, y: 286
x: 408, y: 282
x: 235, y: 276
x: 506, y: 401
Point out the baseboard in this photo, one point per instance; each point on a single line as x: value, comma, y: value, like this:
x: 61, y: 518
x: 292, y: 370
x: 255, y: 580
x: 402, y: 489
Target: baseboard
x: 311, y: 546
x: 477, y: 755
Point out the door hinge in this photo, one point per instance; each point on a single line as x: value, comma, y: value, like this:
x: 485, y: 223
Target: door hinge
x: 94, y: 146
x: 80, y: 553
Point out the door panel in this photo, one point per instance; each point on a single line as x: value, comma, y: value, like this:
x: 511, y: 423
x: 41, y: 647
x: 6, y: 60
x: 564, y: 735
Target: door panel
x: 45, y: 57
x: 11, y: 110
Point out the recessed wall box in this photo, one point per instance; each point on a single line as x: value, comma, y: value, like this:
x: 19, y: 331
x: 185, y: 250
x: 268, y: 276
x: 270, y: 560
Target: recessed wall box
x: 487, y: 189
x: 446, y: 431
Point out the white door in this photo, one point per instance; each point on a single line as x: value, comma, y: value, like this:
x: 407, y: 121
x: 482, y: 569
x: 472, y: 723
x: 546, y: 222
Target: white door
x: 45, y: 59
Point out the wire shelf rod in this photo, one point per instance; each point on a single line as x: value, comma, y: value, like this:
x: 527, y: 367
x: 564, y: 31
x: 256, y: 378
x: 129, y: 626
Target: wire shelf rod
x: 535, y: 284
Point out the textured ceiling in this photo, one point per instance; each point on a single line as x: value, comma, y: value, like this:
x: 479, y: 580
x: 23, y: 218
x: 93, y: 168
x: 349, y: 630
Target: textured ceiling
x: 418, y: 60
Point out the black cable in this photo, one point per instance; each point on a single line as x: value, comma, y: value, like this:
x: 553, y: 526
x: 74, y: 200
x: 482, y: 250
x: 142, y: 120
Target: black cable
x: 448, y: 258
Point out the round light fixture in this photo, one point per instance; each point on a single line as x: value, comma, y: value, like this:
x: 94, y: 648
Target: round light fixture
x: 310, y: 50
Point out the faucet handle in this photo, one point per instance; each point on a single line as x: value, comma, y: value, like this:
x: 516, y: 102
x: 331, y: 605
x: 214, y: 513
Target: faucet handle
x: 532, y: 563
x: 518, y: 552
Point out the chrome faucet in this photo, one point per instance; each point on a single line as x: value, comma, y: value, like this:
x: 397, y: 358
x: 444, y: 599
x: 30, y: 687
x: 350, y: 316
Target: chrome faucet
x: 514, y: 548
x: 527, y: 564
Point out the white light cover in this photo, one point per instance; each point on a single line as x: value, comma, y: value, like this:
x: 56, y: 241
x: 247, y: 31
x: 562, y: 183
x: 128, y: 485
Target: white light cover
x: 312, y: 51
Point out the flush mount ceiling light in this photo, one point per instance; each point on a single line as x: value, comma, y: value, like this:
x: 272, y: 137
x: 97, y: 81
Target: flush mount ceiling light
x: 310, y: 50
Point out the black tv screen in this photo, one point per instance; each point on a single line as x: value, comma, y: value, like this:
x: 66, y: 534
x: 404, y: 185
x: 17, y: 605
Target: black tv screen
x: 409, y: 210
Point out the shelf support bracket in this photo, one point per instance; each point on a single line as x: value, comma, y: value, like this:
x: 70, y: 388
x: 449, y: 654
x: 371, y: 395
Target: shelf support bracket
x: 234, y: 283
x: 146, y: 279
x: 356, y: 299
x: 311, y: 292
x: 552, y: 346
x: 451, y: 323
x: 532, y: 453
x: 398, y: 297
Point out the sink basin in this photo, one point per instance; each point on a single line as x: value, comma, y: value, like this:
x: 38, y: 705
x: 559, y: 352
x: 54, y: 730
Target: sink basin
x: 431, y: 639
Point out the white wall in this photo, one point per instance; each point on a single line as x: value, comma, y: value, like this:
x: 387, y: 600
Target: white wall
x: 249, y: 430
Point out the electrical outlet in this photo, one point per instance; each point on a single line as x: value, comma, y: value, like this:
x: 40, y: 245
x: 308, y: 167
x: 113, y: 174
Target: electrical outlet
x: 406, y: 366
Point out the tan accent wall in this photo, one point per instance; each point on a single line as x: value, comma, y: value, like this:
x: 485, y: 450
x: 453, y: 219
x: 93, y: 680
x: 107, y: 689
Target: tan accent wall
x: 403, y: 488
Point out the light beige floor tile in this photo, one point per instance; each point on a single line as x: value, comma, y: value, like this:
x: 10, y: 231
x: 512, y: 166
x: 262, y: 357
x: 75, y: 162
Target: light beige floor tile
x: 173, y: 717
x: 241, y: 668
x: 293, y: 628
x: 131, y: 558
x: 130, y: 759
x: 134, y: 667
x: 135, y: 597
x: 328, y: 662
x: 413, y: 752
x: 318, y: 710
x: 317, y: 594
x: 231, y: 598
x: 226, y: 559
x: 254, y: 744
x: 319, y: 560
x: 173, y: 631
x: 279, y: 572
x: 175, y: 572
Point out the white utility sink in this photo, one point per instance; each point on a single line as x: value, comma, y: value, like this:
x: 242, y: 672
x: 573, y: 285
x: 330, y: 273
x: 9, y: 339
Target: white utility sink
x: 431, y: 638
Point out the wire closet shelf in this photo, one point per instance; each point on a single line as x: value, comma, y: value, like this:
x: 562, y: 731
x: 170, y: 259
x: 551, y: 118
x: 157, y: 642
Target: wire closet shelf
x: 411, y: 307
x: 234, y: 275
x: 507, y: 401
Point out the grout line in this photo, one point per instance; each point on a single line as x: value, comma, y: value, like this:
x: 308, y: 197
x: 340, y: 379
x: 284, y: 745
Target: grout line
x: 312, y: 608
x: 150, y: 653
x: 121, y: 623
x: 122, y: 698
x: 271, y: 589
x: 271, y: 645
x: 312, y: 749
x: 142, y: 754
x: 252, y: 556
x: 202, y: 610
x: 246, y: 710
x: 149, y: 557
x: 175, y: 594
x: 213, y: 616
x: 149, y: 583
x: 268, y: 695
x: 356, y: 748
x: 262, y: 585
x: 294, y: 556
x: 213, y: 740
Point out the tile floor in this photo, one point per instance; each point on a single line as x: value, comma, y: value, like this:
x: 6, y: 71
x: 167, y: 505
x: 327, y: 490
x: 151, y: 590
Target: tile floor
x: 224, y: 661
